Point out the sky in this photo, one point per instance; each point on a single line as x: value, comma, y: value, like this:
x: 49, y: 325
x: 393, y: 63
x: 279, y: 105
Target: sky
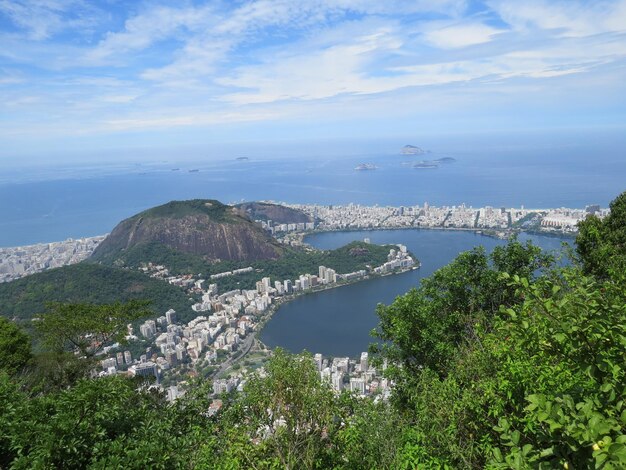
x: 85, y: 77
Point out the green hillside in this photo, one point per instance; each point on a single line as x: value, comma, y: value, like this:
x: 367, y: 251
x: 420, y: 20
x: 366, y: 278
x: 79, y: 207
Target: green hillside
x: 294, y: 262
x: 87, y: 283
x: 95, y: 283
x: 216, y: 211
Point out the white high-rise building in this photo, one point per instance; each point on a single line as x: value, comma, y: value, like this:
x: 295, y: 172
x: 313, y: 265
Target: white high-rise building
x: 170, y: 316
x: 279, y: 288
x: 148, y: 328
x: 318, y: 361
x: 357, y: 385
x: 364, y: 362
x: 337, y: 381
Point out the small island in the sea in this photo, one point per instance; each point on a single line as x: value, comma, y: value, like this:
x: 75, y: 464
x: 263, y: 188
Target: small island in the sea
x: 194, y: 171
x: 412, y: 150
x: 426, y: 165
x: 242, y: 159
x: 175, y: 169
x: 365, y: 166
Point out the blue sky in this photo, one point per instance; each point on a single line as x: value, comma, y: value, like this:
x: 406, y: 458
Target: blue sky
x: 83, y: 76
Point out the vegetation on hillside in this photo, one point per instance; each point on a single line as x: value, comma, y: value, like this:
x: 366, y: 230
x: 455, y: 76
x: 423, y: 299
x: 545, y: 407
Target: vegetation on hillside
x: 293, y: 263
x: 275, y: 212
x: 92, y: 283
x: 503, y: 361
x: 216, y: 211
x: 87, y: 283
x: 601, y: 244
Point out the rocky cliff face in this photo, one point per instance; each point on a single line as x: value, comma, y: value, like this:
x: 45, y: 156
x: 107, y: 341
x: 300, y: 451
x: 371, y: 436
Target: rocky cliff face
x: 205, y: 228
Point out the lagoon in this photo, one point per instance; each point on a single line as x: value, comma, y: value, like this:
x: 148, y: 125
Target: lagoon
x: 338, y: 322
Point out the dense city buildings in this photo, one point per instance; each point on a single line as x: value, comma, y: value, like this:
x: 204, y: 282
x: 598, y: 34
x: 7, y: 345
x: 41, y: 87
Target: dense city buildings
x: 21, y: 261
x: 355, y: 216
x: 229, y: 321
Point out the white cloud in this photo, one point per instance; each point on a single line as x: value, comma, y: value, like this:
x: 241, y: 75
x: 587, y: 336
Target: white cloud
x: 156, y: 24
x: 307, y: 75
x: 460, y: 35
x: 208, y: 35
x: 118, y: 98
x: 186, y: 119
x: 571, y: 18
x: 44, y: 18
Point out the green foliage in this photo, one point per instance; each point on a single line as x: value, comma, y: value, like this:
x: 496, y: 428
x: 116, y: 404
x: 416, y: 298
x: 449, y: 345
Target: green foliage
x: 216, y: 211
x: 537, y: 382
x: 601, y: 244
x: 274, y: 212
x: 87, y: 328
x: 570, y: 337
x: 371, y: 436
x: 104, y: 423
x: 294, y: 262
x: 288, y: 411
x: 349, y: 258
x: 88, y: 283
x: 427, y: 326
x: 15, y: 349
x: 51, y: 371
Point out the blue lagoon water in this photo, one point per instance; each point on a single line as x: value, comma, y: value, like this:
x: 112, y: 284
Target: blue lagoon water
x: 338, y: 322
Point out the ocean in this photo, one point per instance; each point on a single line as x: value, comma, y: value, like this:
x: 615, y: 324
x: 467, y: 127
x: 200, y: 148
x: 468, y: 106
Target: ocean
x: 43, y: 204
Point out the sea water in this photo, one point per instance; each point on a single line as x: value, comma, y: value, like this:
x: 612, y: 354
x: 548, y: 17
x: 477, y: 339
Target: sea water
x: 53, y: 203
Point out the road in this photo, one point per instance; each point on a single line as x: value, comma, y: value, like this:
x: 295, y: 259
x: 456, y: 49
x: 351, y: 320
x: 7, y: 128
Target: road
x: 244, y: 349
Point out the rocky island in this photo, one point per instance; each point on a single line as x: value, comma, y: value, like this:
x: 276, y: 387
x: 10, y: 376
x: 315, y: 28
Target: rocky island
x: 412, y: 150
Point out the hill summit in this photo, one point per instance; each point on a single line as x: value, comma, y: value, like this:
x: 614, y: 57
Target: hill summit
x: 202, y: 227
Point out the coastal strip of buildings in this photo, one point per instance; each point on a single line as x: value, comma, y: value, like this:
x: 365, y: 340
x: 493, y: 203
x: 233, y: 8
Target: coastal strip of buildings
x: 354, y: 216
x: 21, y: 261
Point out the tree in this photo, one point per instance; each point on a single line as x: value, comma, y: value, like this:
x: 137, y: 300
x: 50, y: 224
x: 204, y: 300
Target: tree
x: 86, y: 328
x: 426, y: 327
x: 285, y: 417
x: 601, y: 243
x: 437, y: 351
x: 561, y: 354
x: 15, y: 348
